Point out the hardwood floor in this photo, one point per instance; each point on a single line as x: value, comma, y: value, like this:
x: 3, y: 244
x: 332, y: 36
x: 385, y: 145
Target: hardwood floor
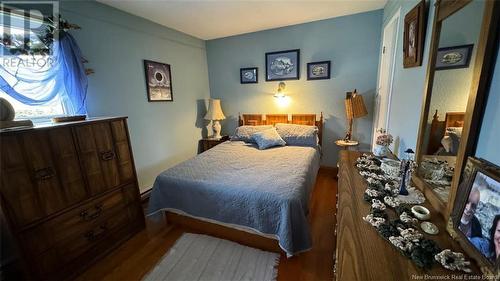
x: 136, y: 257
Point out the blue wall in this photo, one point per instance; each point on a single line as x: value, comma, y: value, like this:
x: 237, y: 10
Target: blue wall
x: 408, y: 83
x: 352, y: 43
x: 487, y: 147
x: 115, y: 43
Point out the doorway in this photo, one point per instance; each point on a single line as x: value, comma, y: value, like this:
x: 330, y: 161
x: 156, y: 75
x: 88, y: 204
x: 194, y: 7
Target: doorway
x: 385, y: 76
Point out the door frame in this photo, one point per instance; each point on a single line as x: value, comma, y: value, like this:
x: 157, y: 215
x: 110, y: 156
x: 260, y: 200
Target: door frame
x: 396, y: 17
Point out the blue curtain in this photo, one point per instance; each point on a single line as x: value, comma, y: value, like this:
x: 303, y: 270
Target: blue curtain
x: 61, y: 73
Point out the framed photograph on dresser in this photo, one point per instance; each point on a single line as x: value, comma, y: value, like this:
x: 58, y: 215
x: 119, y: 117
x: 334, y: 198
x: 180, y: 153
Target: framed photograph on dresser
x: 476, y: 214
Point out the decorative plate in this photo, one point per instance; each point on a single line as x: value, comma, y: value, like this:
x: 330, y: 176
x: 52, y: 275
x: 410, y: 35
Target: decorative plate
x: 452, y: 58
x: 318, y: 70
x: 429, y: 228
x: 248, y: 75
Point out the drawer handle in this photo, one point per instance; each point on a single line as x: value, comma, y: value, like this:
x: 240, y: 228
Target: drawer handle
x: 44, y: 173
x: 108, y: 155
x: 87, y: 217
x: 96, y: 233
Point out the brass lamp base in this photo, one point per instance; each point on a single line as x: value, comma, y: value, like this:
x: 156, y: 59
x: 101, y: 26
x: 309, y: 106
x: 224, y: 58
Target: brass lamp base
x: 348, y: 135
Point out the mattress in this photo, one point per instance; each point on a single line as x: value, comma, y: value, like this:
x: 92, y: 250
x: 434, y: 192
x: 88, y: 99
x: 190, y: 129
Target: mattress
x: 237, y: 184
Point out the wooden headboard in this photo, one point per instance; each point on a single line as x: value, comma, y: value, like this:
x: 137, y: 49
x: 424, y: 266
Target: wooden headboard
x: 272, y: 119
x: 438, y: 128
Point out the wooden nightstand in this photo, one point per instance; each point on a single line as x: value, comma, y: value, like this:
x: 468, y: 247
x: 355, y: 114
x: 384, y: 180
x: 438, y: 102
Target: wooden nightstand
x: 207, y: 143
x: 346, y: 145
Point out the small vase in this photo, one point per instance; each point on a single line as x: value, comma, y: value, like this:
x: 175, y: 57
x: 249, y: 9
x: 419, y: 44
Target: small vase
x: 380, y: 150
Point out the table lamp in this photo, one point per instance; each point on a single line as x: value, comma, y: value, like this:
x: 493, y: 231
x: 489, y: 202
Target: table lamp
x: 354, y: 108
x: 215, y: 114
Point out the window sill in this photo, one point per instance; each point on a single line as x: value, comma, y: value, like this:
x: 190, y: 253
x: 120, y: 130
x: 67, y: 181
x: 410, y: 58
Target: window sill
x: 38, y: 120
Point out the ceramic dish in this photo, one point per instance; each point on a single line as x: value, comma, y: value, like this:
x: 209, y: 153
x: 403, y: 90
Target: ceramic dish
x: 429, y: 228
x: 421, y: 212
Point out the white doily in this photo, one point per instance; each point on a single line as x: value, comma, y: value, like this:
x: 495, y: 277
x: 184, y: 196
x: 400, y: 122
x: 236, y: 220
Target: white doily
x: 414, y: 196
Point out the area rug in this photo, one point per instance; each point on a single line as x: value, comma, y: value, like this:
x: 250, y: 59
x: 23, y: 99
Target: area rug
x: 202, y: 257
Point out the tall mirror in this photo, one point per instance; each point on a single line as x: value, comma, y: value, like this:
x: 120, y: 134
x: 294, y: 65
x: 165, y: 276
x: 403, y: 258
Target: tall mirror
x: 454, y: 66
x: 447, y: 104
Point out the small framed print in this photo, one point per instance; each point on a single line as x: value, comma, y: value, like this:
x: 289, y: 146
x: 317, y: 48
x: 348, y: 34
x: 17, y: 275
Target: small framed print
x: 158, y: 81
x: 249, y: 75
x: 453, y: 57
x: 283, y: 65
x: 318, y: 70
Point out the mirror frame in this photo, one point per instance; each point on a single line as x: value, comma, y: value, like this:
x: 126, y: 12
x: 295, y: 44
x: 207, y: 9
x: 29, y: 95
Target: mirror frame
x: 476, y: 100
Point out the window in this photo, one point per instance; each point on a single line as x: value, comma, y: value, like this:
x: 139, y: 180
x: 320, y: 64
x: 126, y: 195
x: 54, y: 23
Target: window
x: 27, y: 74
x: 24, y: 111
x: 41, y: 68
x: 34, y: 90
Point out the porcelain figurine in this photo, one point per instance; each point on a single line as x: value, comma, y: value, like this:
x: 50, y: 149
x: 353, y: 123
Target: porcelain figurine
x: 406, y: 169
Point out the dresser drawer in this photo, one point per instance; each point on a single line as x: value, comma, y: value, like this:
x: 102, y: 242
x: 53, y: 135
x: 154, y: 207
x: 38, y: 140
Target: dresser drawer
x: 80, y: 231
x: 80, y: 219
x: 76, y: 222
x: 72, y: 248
x: 40, y: 174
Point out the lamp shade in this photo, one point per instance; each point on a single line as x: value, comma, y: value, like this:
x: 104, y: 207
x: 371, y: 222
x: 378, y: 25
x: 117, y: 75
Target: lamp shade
x: 214, y: 110
x: 354, y: 105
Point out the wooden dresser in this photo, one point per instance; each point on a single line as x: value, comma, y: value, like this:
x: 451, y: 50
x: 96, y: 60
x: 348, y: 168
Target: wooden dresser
x: 69, y: 193
x: 361, y: 252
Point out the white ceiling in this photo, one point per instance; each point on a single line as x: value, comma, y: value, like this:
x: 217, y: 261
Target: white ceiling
x: 210, y: 19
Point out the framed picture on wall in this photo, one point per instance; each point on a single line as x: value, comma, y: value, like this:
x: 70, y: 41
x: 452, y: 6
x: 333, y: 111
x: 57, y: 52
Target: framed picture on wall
x: 454, y: 57
x: 413, y: 37
x: 318, y: 70
x: 283, y: 65
x: 158, y: 81
x: 249, y: 75
x: 476, y: 214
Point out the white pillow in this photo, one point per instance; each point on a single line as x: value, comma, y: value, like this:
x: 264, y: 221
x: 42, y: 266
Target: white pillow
x: 268, y: 138
x: 447, y: 143
x: 455, y: 130
x: 298, y: 135
x: 244, y: 133
x: 455, y: 134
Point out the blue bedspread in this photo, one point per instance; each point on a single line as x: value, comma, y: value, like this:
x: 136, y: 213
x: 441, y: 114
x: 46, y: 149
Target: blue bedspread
x: 236, y: 183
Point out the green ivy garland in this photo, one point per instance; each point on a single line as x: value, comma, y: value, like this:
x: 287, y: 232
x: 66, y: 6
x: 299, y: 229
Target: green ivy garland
x: 22, y: 44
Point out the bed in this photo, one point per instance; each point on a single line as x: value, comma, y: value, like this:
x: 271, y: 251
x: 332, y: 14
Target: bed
x: 237, y: 186
x: 444, y: 136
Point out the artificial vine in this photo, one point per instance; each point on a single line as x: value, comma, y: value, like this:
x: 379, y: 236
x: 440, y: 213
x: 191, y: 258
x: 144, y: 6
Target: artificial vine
x: 23, y: 44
